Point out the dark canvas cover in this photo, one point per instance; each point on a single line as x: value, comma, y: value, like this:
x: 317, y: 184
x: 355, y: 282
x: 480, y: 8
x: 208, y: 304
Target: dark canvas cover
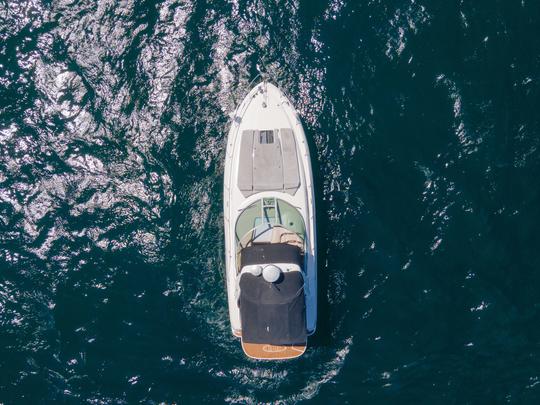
x: 272, y: 253
x: 273, y: 313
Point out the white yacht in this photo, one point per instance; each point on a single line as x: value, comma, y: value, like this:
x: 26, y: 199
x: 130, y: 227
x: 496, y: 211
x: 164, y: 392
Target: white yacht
x: 270, y: 236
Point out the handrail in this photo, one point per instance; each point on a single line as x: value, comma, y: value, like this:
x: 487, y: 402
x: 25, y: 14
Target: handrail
x: 259, y: 75
x: 263, y: 74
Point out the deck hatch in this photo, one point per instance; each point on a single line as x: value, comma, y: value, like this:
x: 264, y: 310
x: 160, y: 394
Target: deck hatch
x: 266, y: 137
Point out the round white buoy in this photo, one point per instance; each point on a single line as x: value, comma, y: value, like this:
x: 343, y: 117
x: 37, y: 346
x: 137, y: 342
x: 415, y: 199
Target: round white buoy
x: 256, y: 270
x: 271, y: 273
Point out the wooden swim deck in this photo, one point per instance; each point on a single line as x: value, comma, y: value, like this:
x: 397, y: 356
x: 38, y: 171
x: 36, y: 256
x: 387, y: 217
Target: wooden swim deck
x: 266, y: 351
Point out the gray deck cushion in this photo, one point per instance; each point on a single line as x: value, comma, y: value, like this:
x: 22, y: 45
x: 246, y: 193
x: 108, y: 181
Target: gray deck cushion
x: 268, y: 166
x: 291, y: 177
x: 245, y: 171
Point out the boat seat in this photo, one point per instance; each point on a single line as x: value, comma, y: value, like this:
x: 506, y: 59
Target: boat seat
x: 283, y: 235
x: 279, y: 234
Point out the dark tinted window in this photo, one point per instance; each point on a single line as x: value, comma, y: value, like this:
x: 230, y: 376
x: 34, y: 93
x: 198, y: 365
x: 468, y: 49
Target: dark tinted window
x: 266, y: 137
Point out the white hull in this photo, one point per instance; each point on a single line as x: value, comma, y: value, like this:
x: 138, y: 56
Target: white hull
x: 266, y: 107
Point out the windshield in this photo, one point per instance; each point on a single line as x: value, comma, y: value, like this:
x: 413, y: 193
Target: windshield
x: 267, y: 213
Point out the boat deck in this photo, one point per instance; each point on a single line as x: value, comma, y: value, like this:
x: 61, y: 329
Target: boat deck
x: 271, y: 352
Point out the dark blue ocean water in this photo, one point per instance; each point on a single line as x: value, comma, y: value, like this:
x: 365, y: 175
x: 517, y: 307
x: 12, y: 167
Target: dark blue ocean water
x: 424, y: 129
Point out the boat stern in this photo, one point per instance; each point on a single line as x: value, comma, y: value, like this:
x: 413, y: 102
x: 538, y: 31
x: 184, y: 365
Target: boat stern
x: 265, y: 351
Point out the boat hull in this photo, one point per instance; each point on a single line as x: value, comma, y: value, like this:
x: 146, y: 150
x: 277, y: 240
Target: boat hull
x: 266, y: 107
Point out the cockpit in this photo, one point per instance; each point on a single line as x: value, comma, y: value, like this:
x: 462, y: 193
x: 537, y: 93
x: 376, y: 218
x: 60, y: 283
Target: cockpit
x: 270, y: 247
x: 267, y: 221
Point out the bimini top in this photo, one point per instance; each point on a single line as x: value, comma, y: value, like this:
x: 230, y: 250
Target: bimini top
x: 273, y: 313
x: 268, y: 162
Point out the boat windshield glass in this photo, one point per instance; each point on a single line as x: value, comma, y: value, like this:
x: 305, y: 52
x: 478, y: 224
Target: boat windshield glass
x: 267, y: 213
